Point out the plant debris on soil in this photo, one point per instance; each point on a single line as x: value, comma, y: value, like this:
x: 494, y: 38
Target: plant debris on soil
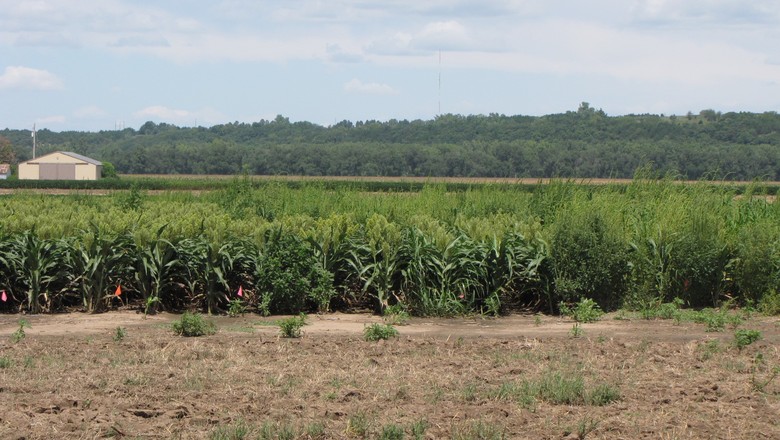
x: 71, y: 378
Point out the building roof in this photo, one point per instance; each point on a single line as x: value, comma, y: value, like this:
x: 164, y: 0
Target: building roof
x: 68, y: 153
x: 80, y: 157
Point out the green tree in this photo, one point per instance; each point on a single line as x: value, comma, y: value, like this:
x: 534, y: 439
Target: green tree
x: 7, y: 154
x: 108, y: 170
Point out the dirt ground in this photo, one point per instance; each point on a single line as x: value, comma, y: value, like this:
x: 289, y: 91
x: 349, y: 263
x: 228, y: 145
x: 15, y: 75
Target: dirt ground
x: 441, y: 378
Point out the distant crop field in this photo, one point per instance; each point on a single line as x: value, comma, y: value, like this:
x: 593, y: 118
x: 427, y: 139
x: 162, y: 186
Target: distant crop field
x: 198, y: 183
x: 402, y: 179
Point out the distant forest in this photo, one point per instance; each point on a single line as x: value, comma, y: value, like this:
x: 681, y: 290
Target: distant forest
x: 585, y: 143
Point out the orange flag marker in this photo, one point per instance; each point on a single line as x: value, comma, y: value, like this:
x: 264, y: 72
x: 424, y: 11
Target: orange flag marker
x: 118, y: 291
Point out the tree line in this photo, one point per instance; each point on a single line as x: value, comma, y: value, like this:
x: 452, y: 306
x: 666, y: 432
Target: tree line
x: 585, y: 143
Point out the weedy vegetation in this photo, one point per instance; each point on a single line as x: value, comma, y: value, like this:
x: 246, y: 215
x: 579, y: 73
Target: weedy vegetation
x: 193, y: 324
x: 376, y: 332
x: 119, y: 334
x: 650, y: 246
x: 19, y: 333
x: 586, y: 310
x: 745, y: 337
x: 292, y: 327
x: 236, y: 308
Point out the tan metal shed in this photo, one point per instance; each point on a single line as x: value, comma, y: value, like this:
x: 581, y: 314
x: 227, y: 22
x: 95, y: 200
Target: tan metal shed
x: 61, y: 165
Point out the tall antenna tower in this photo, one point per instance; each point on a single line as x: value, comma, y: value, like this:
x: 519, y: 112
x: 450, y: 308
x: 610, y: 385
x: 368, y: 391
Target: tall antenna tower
x: 33, y: 136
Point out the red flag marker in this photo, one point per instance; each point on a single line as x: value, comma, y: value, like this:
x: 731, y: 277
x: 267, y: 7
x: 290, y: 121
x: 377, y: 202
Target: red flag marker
x: 240, y: 291
x: 118, y: 291
x: 4, y: 297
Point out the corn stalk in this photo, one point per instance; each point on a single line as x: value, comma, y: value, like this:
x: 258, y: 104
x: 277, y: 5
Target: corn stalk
x: 100, y: 264
x: 157, y: 269
x: 35, y: 265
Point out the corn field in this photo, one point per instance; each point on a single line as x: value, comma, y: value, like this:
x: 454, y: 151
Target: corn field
x: 432, y: 252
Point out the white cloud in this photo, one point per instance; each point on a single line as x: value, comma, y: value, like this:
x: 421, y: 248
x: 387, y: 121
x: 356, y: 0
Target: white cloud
x: 20, y: 77
x: 443, y: 35
x: 398, y: 44
x: 337, y: 55
x: 205, y: 116
x: 54, y: 119
x: 141, y: 41
x: 434, y: 36
x: 357, y: 86
x: 162, y: 112
x: 46, y: 39
x: 89, y: 24
x: 703, y: 12
x: 90, y: 111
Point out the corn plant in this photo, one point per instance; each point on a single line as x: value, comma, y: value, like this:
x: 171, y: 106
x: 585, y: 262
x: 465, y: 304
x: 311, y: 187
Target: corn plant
x: 485, y: 271
x: 211, y: 267
x: 6, y: 273
x: 376, y: 270
x: 333, y: 248
x: 157, y: 269
x: 420, y: 265
x: 374, y: 263
x: 99, y: 263
x: 35, y: 265
x: 652, y: 274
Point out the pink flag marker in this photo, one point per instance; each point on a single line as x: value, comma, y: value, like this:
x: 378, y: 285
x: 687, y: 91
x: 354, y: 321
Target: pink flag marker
x: 240, y: 291
x: 4, y: 297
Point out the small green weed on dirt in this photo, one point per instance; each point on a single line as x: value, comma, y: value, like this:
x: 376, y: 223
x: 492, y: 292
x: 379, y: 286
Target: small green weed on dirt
x: 236, y: 308
x: 576, y: 330
x: 392, y: 431
x: 708, y: 349
x: 745, y: 337
x: 237, y: 430
x: 119, y: 334
x: 584, y: 311
x: 292, y: 327
x: 193, y: 324
x: 358, y: 425
x: 396, y: 315
x: 478, y: 430
x: 375, y: 332
x: 19, y: 334
x: 760, y: 384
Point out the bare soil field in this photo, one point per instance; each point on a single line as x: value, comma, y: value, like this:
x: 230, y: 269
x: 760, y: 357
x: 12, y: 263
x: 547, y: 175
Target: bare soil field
x: 69, y: 378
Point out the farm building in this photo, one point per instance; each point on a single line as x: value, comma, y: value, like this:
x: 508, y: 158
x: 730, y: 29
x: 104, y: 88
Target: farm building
x: 61, y: 165
x: 5, y: 170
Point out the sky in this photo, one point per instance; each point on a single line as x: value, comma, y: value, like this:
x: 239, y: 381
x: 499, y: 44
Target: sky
x: 92, y: 65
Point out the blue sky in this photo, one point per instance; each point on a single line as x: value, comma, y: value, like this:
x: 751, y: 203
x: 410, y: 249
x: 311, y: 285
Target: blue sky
x: 96, y: 64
